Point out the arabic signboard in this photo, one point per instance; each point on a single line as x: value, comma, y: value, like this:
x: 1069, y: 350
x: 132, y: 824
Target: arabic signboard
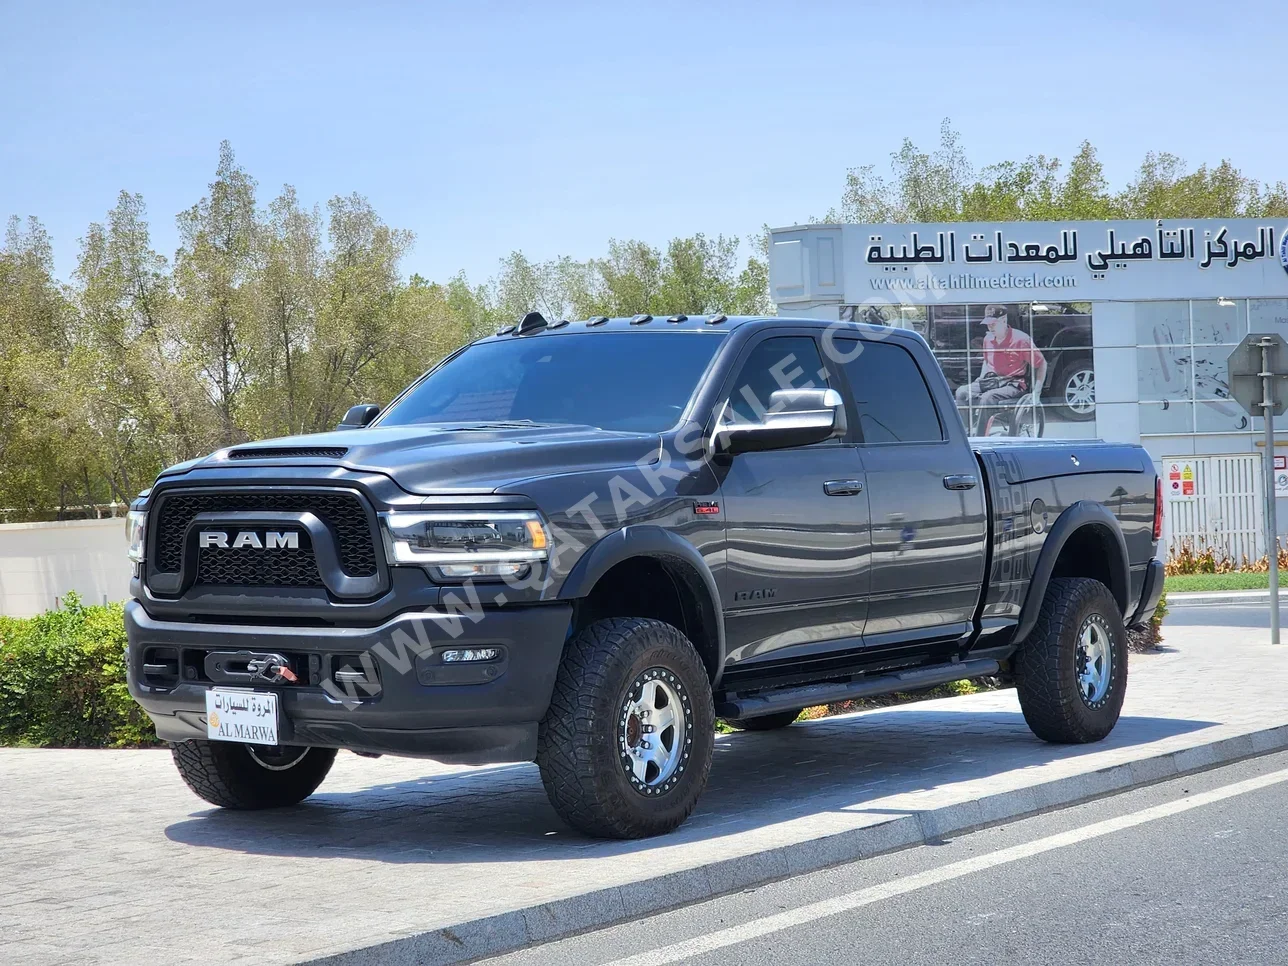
x: 1182, y: 483
x: 1013, y: 261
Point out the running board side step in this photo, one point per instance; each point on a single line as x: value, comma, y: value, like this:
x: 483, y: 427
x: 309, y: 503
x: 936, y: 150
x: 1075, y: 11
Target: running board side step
x: 755, y: 704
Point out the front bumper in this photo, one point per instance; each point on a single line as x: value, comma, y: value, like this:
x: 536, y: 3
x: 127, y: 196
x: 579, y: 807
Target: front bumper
x: 421, y: 707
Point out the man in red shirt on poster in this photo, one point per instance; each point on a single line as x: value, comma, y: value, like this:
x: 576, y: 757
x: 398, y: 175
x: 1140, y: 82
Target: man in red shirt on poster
x: 1009, y: 356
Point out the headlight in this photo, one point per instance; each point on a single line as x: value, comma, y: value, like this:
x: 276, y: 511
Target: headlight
x: 135, y: 523
x: 457, y: 545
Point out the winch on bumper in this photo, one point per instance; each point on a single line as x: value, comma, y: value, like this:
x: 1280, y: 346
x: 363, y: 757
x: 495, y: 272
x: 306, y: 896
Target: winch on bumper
x: 384, y: 689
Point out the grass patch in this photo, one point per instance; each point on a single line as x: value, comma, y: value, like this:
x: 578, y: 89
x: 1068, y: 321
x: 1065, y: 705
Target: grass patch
x: 1239, y: 580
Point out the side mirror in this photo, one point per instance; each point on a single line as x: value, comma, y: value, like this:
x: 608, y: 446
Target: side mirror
x: 796, y: 417
x: 359, y: 416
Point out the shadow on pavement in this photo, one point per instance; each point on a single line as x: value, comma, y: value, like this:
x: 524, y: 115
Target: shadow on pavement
x: 757, y: 779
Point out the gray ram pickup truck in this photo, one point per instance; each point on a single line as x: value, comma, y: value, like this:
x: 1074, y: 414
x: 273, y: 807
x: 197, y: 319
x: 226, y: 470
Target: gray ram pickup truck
x: 579, y: 543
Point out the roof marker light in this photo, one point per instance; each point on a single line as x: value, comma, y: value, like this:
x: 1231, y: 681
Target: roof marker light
x: 597, y: 320
x: 717, y: 319
x: 642, y: 319
x: 678, y: 318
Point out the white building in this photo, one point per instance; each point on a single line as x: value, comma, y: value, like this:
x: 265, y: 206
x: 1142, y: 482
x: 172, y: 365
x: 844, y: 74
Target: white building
x: 1129, y: 324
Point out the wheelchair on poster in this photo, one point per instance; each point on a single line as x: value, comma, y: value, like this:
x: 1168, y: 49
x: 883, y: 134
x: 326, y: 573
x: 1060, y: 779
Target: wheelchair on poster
x: 1022, y: 416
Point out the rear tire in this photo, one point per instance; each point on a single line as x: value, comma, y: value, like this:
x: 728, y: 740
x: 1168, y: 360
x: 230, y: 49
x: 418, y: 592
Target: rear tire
x: 606, y: 774
x: 765, y: 722
x: 1071, y: 672
x: 251, y: 777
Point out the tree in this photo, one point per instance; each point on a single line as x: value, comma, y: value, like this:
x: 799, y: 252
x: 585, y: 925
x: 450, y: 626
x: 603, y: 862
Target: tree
x: 696, y: 275
x: 139, y: 414
x: 288, y: 288
x: 39, y: 448
x: 943, y: 186
x: 212, y: 271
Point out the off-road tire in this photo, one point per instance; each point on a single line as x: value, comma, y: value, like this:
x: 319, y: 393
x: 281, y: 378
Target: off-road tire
x: 1046, y: 665
x: 579, y: 747
x: 225, y: 774
x: 765, y: 722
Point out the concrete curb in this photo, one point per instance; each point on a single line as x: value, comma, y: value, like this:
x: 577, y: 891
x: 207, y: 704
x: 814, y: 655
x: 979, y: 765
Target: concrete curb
x: 1224, y: 597
x: 508, y: 931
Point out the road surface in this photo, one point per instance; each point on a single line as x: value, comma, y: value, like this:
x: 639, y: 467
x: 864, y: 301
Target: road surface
x: 1186, y: 872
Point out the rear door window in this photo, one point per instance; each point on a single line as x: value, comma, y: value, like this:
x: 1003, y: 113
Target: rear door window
x: 892, y: 400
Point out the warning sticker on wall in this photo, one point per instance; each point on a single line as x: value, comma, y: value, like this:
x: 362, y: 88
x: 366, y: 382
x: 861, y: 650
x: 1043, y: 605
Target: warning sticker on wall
x: 1281, y: 476
x: 1181, y: 480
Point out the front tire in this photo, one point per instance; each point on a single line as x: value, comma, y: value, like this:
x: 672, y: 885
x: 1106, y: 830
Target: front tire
x: 1071, y: 672
x: 626, y: 746
x: 251, y: 777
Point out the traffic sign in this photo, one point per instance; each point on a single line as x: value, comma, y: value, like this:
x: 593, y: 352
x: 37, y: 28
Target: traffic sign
x: 1258, y: 371
x: 1244, y: 369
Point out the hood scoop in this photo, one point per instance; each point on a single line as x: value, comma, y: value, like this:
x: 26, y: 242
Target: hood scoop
x: 288, y: 452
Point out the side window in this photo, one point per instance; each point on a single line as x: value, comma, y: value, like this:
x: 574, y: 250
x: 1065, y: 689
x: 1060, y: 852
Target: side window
x: 784, y: 362
x: 891, y: 398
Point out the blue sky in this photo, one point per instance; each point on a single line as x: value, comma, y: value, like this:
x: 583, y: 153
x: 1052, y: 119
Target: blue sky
x: 550, y: 128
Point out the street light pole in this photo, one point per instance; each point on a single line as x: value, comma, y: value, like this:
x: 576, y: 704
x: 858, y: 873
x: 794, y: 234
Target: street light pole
x: 1272, y: 523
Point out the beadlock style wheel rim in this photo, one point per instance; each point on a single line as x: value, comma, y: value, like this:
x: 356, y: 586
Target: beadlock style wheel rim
x: 1095, y: 661
x: 653, y: 736
x: 1080, y: 391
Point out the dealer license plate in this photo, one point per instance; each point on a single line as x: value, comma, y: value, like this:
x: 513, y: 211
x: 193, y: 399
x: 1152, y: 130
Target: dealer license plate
x: 245, y: 716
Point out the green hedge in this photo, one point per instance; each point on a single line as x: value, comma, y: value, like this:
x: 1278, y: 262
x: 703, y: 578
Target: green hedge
x: 62, y: 680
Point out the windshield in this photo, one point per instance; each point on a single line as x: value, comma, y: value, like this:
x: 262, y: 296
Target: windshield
x: 629, y: 381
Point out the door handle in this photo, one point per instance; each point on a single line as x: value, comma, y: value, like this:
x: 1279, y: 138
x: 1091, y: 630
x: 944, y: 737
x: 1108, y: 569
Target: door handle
x: 843, y: 487
x: 960, y: 481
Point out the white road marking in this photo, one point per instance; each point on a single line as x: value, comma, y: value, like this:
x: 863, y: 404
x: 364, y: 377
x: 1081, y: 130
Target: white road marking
x: 825, y: 908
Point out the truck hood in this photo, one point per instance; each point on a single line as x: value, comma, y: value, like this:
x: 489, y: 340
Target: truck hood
x: 446, y: 458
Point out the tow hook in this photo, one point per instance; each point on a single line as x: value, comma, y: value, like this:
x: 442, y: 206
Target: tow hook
x: 273, y: 668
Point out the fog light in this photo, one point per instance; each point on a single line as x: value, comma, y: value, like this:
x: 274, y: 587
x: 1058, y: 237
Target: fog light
x: 471, y: 654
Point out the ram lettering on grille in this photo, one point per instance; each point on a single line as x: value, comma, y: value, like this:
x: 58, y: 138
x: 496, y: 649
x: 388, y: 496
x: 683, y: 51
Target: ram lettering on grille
x: 273, y: 540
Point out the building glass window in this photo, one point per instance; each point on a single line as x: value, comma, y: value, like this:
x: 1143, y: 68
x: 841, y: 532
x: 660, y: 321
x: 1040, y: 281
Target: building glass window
x: 1268, y: 315
x: 1181, y: 365
x: 1219, y: 321
x: 1162, y: 323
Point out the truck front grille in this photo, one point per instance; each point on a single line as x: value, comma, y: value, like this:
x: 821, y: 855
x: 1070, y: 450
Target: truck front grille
x: 343, y: 513
x: 259, y: 568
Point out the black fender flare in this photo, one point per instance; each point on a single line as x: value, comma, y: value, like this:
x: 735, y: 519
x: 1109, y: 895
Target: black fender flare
x: 658, y: 544
x: 1084, y: 513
